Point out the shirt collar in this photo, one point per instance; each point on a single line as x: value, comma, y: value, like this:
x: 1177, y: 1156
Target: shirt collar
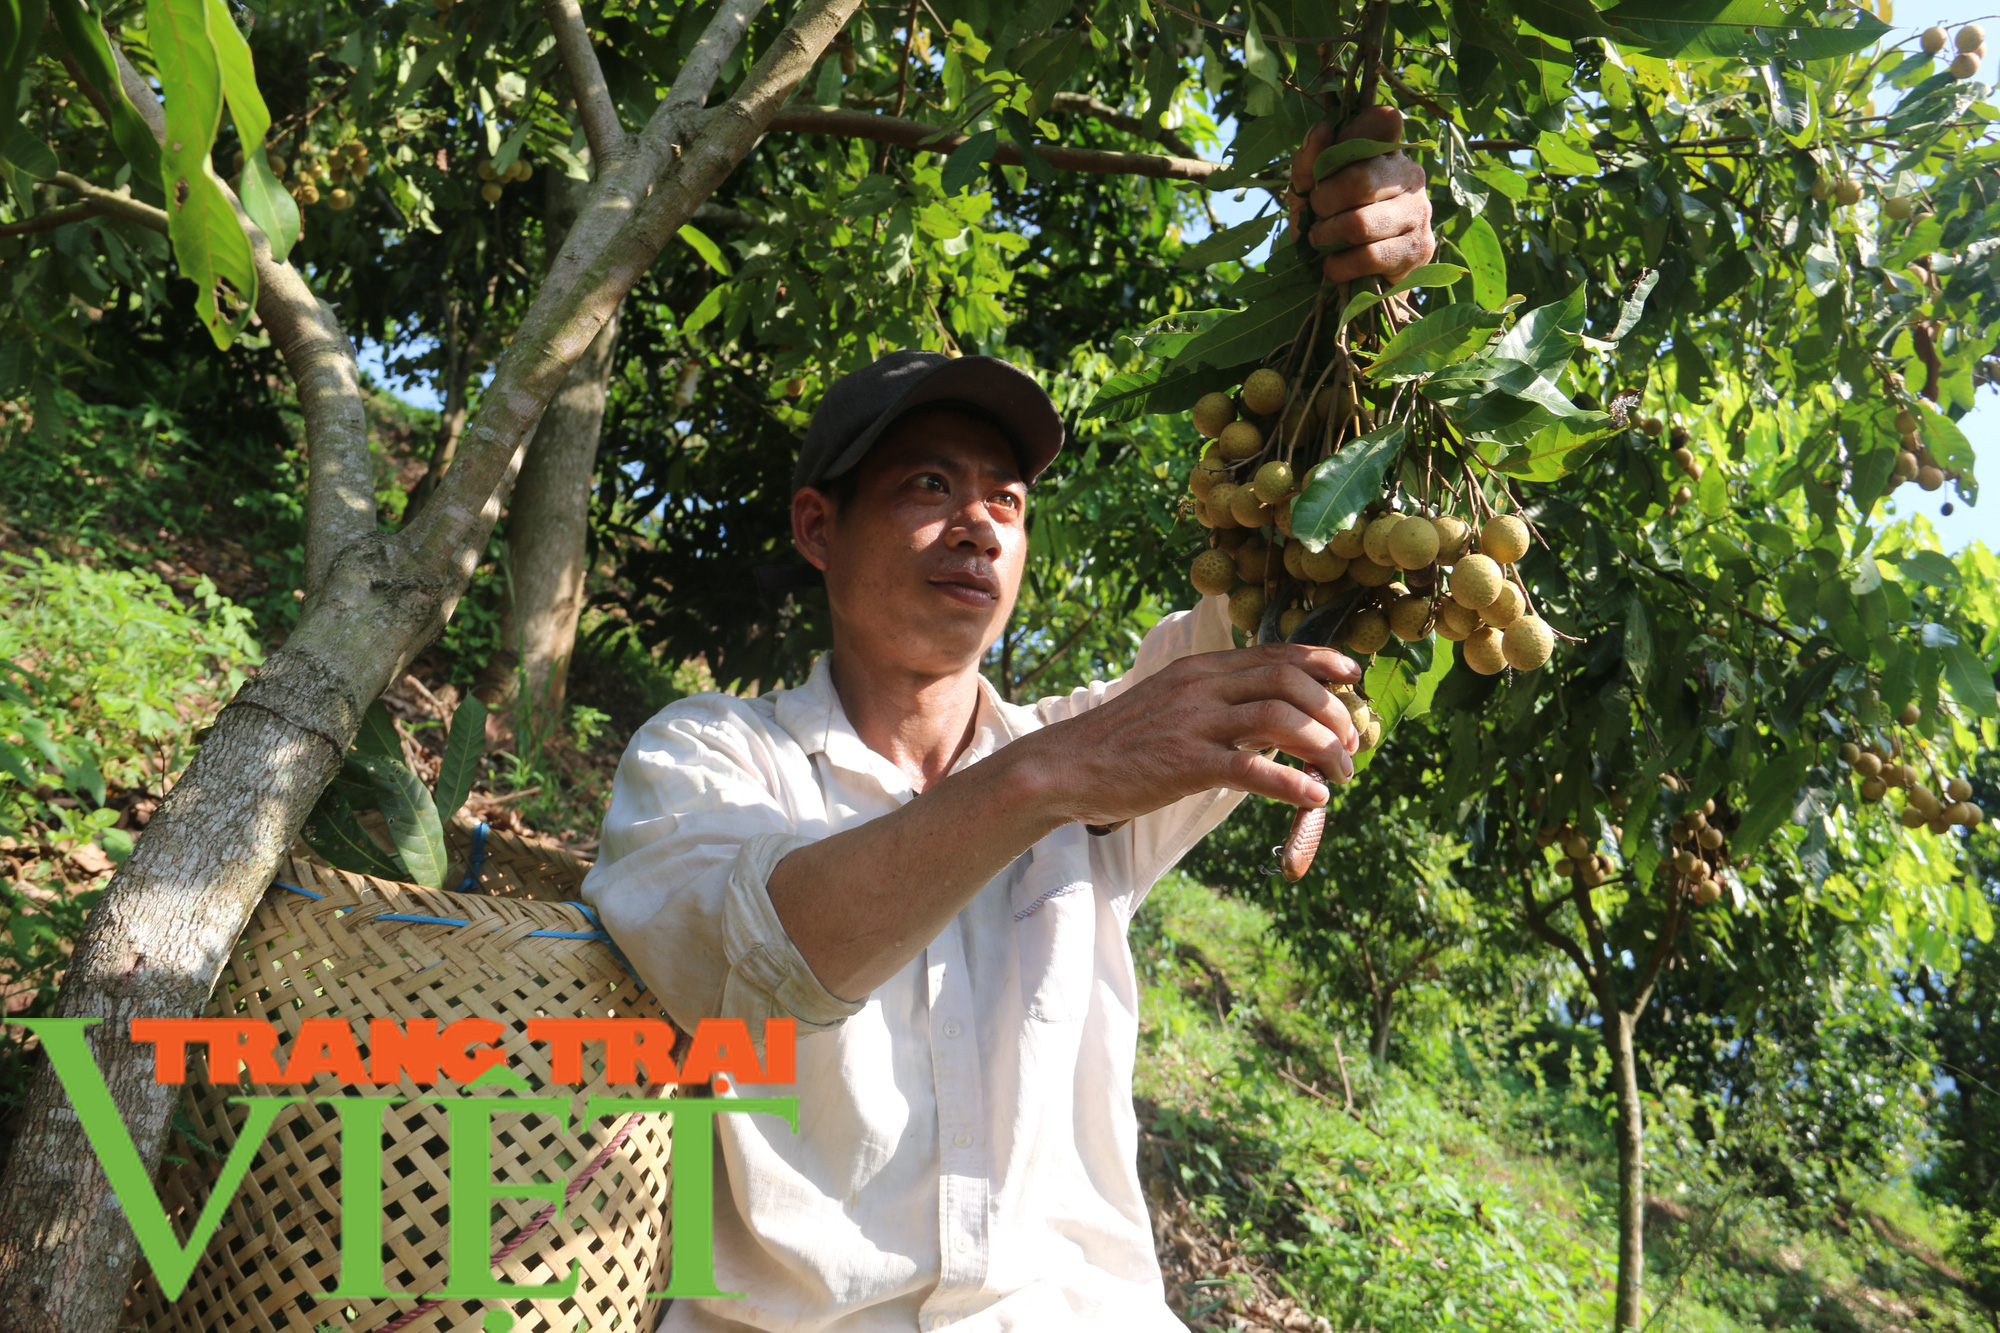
x: 813, y: 716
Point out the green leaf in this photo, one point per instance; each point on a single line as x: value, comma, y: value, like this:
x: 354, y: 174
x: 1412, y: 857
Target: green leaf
x: 263, y: 194
x: 1931, y: 567
x: 1774, y: 793
x: 1971, y: 683
x: 377, y: 734
x: 1435, y: 341
x: 20, y: 28
x: 17, y: 765
x: 462, y: 752
x: 1564, y: 158
x: 1427, y: 275
x: 1754, y: 29
x: 413, y: 820
x: 1638, y: 639
x: 967, y: 163
x: 1945, y: 440
x: 706, y: 309
x: 1248, y: 335
x: 1262, y: 144
x: 1336, y: 489
x: 1350, y: 151
x: 209, y: 244
x: 1229, y: 243
x: 710, y: 252
x: 1633, y: 307
x: 29, y: 156
x: 1481, y: 247
x: 333, y: 831
x: 1547, y: 336
x: 84, y: 38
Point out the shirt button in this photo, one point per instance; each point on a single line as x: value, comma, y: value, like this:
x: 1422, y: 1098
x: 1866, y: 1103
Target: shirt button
x: 963, y: 1141
x: 962, y: 1245
x: 951, y: 1029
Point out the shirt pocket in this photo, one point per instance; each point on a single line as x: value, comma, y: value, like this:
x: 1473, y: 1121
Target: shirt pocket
x: 1055, y: 925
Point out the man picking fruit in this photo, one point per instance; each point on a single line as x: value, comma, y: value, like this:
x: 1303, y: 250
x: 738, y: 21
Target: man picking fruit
x: 936, y: 884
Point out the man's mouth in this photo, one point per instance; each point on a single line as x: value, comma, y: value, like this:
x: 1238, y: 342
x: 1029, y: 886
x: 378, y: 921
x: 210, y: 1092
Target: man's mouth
x: 970, y: 589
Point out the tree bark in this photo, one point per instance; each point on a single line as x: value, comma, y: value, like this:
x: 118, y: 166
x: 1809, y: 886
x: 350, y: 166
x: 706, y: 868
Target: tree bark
x: 1384, y: 1012
x: 1628, y: 1127
x: 158, y: 941
x: 548, y: 526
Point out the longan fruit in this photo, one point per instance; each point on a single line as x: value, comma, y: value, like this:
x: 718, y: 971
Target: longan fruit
x: 1911, y: 715
x: 1349, y: 543
x: 1711, y: 838
x: 1848, y: 192
x: 1971, y: 37
x: 1369, y: 574
x: 1938, y: 823
x: 1475, y: 582
x: 1959, y: 789
x: 1653, y: 426
x: 1565, y: 866
x: 1708, y: 893
x: 1299, y: 419
x: 486, y: 172
x: 1239, y: 440
x: 1212, y: 412
x: 1220, y: 500
x: 1463, y: 619
x: 1375, y: 538
x: 1868, y: 765
x: 1898, y: 207
x: 1281, y: 516
x: 1212, y: 572
x: 1484, y: 652
x: 1912, y: 817
x: 1322, y: 566
x: 1577, y: 844
x: 1202, y: 480
x: 1504, y: 538
x: 1934, y: 39
x: 1246, y: 608
x: 1447, y: 631
x: 521, y: 170
x: 1527, y: 643
x: 1410, y: 618
x: 1413, y: 543
x: 1367, y: 631
x: 1973, y: 814
x: 1249, y: 510
x: 1905, y: 468
x: 1323, y: 403
x: 1289, y: 621
x: 1362, y: 715
x: 338, y: 200
x: 1371, y: 735
x: 1454, y: 539
x: 1849, y: 752
x: 1264, y: 391
x: 1682, y: 458
x: 1505, y: 608
x: 1273, y: 481
x: 1683, y: 495
x: 1964, y: 65
x: 1294, y: 558
x: 490, y: 192
x: 1253, y: 560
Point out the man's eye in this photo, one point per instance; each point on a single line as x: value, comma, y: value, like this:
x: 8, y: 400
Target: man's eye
x: 1009, y: 499
x: 931, y: 481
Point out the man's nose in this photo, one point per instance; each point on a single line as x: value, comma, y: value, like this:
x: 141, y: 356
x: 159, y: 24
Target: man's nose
x: 972, y: 526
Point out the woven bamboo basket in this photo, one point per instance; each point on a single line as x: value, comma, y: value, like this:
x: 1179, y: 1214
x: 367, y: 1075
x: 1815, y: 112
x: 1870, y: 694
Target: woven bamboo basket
x: 327, y: 944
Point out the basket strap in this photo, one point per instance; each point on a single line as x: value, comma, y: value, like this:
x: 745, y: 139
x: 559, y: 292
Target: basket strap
x: 478, y: 864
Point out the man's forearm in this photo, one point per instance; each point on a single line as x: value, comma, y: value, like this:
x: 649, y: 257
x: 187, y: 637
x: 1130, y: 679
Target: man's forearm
x: 860, y: 904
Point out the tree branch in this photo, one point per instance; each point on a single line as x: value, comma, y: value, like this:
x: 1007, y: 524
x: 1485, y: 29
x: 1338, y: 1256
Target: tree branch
x: 1668, y: 934
x: 112, y: 203
x: 1082, y: 104
x: 608, y: 140
x: 933, y: 139
x: 1539, y: 925
x: 49, y: 221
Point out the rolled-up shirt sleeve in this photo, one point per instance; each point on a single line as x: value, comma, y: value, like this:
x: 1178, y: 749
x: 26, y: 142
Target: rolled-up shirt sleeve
x: 699, y: 819
x: 1155, y: 841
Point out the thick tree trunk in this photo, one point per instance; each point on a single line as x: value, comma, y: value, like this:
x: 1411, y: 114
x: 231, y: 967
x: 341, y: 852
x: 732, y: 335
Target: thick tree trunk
x: 1628, y: 1126
x: 548, y: 525
x: 1383, y: 1022
x: 158, y: 941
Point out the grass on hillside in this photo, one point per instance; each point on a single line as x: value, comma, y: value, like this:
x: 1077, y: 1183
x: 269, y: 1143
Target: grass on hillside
x: 1297, y: 1186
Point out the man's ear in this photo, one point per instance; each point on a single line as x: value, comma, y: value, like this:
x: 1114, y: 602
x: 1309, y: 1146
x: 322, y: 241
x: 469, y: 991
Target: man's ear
x: 812, y: 519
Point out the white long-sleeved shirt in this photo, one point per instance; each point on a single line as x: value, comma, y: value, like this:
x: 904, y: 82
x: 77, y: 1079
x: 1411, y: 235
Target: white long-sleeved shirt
x: 966, y: 1154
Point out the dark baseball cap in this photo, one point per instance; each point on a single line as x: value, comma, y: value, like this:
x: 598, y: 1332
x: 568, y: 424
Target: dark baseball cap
x: 863, y: 403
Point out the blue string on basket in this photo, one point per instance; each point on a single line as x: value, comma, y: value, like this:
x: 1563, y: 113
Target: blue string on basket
x: 596, y: 932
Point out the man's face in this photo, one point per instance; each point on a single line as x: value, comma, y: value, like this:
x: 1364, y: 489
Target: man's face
x: 924, y: 562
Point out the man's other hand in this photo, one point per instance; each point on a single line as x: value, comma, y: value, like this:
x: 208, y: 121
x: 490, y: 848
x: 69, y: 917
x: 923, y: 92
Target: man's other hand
x: 1198, y: 725
x: 1379, y: 206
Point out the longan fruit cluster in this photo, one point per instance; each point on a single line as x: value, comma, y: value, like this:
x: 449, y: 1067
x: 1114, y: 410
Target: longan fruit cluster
x: 1366, y: 725
x: 1881, y: 766
x: 1969, y: 52
x: 1580, y: 859
x: 1913, y: 461
x: 1701, y: 850
x: 517, y: 170
x: 346, y: 163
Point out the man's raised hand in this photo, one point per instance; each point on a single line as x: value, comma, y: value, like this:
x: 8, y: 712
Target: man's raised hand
x: 1197, y: 725
x: 1379, y: 206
